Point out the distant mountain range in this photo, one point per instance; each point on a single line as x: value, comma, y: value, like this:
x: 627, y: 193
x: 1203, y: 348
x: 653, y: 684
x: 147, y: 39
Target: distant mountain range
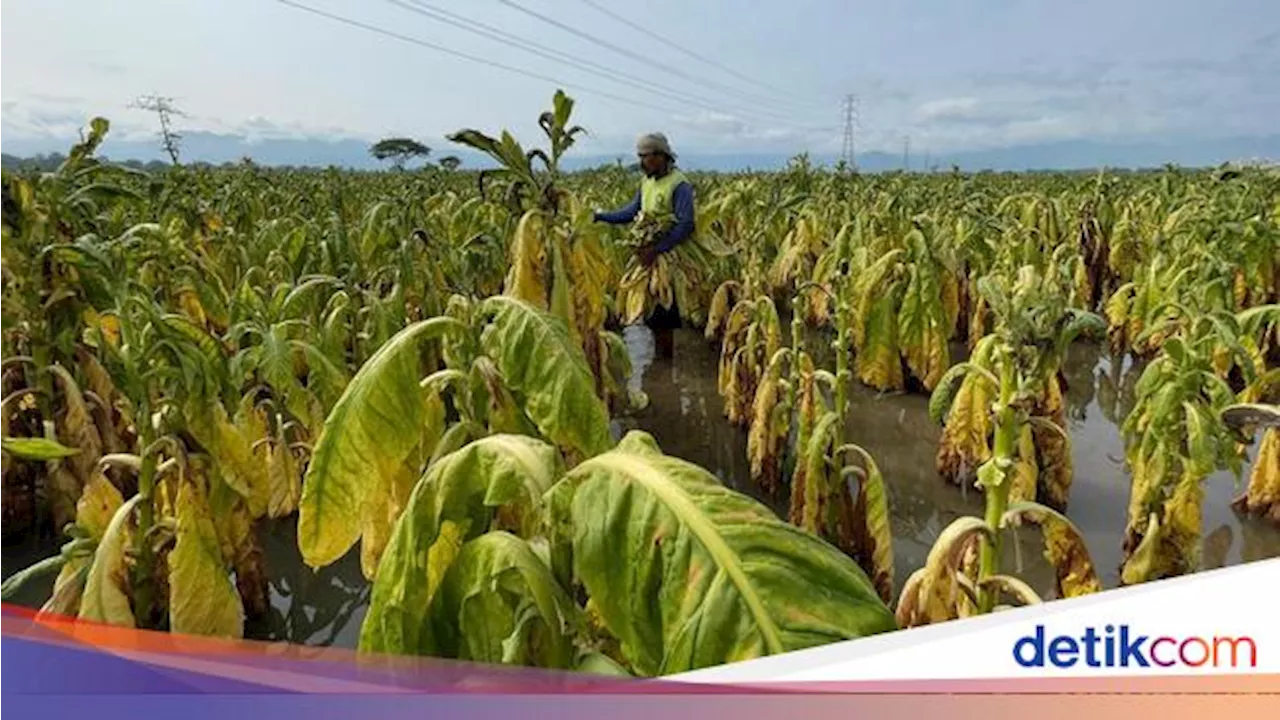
x: 353, y: 153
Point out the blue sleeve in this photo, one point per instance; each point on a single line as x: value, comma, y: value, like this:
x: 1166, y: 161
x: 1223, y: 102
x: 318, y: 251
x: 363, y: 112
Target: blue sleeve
x: 682, y: 202
x: 624, y: 215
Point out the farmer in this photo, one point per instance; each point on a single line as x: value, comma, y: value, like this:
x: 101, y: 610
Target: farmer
x: 663, y: 190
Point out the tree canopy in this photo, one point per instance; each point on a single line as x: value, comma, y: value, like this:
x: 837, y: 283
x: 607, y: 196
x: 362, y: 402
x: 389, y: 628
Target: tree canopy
x: 399, y: 150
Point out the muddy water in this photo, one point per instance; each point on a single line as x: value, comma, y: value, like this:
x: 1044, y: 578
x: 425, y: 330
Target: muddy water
x: 685, y: 416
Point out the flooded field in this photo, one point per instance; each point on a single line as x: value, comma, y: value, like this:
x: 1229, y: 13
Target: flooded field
x: 685, y: 417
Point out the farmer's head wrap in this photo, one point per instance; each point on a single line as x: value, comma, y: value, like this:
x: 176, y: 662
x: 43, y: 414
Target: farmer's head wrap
x: 654, y: 143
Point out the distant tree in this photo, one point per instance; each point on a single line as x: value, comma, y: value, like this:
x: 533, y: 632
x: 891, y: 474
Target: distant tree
x: 399, y: 151
x: 165, y: 111
x: 450, y: 162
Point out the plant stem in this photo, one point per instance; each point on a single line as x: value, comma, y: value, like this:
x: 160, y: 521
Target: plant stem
x: 843, y: 374
x: 793, y: 388
x: 997, y: 496
x: 143, y: 583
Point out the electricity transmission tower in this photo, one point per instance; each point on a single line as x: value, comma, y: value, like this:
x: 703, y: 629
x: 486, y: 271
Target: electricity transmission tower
x: 165, y: 110
x: 906, y: 152
x: 847, y: 153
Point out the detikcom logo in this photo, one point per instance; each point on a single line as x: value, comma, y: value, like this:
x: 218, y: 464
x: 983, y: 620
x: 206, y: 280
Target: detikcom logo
x: 1121, y: 646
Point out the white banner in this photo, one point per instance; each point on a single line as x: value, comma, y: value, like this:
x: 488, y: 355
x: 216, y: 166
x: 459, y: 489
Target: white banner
x: 1215, y: 622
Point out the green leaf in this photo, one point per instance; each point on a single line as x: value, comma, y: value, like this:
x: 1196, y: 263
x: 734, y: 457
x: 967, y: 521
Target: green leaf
x: 687, y: 573
x: 14, y: 583
x: 538, y: 360
x: 944, y: 393
x: 477, y: 140
x: 498, y: 603
x: 456, y: 500
x: 367, y: 438
x: 41, y: 449
x: 990, y: 475
x: 596, y: 663
x: 1087, y: 324
x: 1200, y: 441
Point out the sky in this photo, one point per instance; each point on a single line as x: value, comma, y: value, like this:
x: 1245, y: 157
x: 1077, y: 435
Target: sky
x: 951, y: 75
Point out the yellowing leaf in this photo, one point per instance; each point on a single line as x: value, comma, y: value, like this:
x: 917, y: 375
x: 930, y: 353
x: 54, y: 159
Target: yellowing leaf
x: 1065, y: 548
x: 189, y: 304
x: 871, y: 528
x: 710, y: 574
x: 526, y: 280
x: 1025, y: 471
x: 202, y: 600
x: 106, y: 599
x: 379, y: 515
x: 539, y: 360
x: 1053, y: 447
x: 444, y: 550
x: 964, y: 445
x: 931, y: 594
x: 285, y: 483
x: 878, y: 363
x: 98, y: 505
x: 766, y: 438
x: 68, y: 589
x: 464, y: 488
x: 1263, y: 494
x: 376, y: 426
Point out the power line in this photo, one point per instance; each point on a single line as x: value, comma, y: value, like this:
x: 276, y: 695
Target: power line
x: 577, y: 87
x: 476, y: 27
x: 624, y: 51
x: 681, y: 48
x: 468, y: 56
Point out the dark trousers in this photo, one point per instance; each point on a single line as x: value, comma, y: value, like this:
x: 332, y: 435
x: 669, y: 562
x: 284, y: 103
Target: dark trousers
x: 664, y: 322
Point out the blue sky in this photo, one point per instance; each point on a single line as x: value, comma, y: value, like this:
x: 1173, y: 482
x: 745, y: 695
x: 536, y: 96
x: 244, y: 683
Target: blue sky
x: 953, y: 75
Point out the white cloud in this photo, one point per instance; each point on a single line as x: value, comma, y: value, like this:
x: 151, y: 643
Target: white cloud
x: 1041, y: 129
x: 714, y: 122
x: 956, y: 108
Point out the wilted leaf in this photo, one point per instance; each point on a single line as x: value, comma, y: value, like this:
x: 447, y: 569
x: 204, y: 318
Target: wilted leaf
x: 98, y: 504
x: 285, y: 482
x: 539, y: 360
x: 456, y: 500
x: 688, y: 573
x: 68, y: 589
x: 106, y: 599
x: 202, y: 599
x: 498, y: 603
x: 1065, y: 549
x: 373, y: 429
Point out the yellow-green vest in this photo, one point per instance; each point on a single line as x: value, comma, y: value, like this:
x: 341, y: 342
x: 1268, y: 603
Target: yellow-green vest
x: 656, y: 193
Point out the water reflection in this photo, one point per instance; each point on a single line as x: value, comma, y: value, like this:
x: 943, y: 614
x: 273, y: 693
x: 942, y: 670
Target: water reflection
x: 310, y: 607
x: 685, y: 413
